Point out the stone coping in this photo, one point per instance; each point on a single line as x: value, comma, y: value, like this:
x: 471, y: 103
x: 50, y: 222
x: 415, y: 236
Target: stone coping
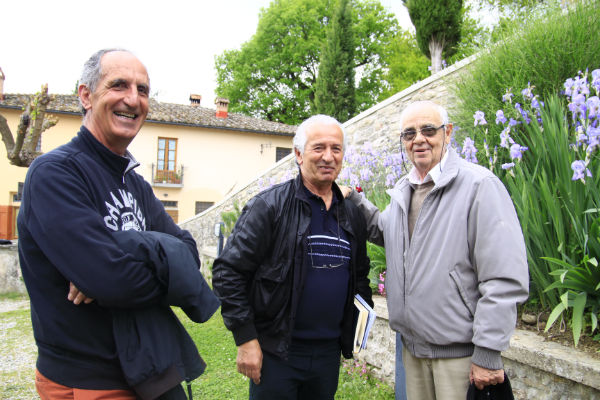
x: 529, y: 348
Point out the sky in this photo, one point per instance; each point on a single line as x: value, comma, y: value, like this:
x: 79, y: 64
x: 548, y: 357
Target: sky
x: 48, y: 41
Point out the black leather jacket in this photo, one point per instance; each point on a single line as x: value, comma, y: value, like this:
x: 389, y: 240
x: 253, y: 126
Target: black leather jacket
x: 259, y: 276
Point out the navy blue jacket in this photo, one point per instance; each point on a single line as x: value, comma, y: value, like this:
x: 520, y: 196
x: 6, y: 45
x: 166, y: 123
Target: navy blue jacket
x: 74, y: 200
x: 155, y: 350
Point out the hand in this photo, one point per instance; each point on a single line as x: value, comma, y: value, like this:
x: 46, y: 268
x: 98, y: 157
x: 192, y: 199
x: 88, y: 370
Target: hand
x: 249, y: 360
x: 77, y: 296
x: 484, y: 377
x: 346, y: 190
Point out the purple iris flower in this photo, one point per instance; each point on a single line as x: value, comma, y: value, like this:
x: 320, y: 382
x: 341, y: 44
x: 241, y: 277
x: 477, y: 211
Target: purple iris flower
x: 569, y: 86
x: 528, y: 91
x: 580, y: 170
x: 365, y: 174
x: 500, y: 118
x: 593, y: 106
x: 593, y: 135
x: 469, y: 150
x: 390, y: 180
x: 578, y: 105
x: 516, y: 151
x: 582, y: 86
x: 508, y: 165
x: 596, y: 80
x: 479, y: 117
x: 507, y: 96
x: 505, y: 138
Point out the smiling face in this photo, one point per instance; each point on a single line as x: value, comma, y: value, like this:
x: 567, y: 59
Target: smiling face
x: 117, y: 109
x: 425, y: 152
x: 323, y: 154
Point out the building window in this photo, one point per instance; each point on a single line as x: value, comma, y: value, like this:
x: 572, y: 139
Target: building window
x: 16, y: 197
x: 281, y: 152
x: 166, y: 161
x: 203, y: 206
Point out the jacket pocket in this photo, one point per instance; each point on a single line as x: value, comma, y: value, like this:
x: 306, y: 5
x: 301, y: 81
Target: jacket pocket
x: 270, y: 292
x: 470, y: 305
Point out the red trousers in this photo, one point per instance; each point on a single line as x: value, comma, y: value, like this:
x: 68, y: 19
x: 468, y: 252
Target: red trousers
x: 50, y: 390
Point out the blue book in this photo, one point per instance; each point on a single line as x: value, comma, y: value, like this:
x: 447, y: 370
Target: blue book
x: 364, y: 322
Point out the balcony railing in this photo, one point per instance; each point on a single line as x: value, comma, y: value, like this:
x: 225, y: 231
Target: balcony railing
x: 167, y: 178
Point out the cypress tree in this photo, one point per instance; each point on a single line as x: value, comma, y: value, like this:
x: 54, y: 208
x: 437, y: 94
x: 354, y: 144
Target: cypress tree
x: 334, y: 94
x: 438, y: 27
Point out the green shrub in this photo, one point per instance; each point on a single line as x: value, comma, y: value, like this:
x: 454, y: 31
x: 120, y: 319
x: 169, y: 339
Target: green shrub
x: 546, y: 51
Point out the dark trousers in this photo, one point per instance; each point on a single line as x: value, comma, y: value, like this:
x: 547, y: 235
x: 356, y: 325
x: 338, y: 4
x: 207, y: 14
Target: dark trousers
x: 311, y: 372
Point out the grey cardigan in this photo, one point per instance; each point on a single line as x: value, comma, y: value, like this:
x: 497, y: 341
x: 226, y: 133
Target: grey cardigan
x: 453, y: 290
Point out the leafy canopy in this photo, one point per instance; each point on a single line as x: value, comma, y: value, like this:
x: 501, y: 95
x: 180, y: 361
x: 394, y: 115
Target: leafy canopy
x: 273, y: 75
x: 406, y: 65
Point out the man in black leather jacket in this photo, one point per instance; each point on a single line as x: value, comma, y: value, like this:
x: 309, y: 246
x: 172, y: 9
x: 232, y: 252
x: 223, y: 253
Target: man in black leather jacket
x: 289, y: 272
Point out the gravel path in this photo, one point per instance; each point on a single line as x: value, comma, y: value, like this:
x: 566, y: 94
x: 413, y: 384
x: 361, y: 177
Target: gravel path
x: 11, y: 305
x: 18, y: 352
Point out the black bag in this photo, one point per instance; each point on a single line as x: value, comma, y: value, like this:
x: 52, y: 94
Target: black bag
x: 501, y: 391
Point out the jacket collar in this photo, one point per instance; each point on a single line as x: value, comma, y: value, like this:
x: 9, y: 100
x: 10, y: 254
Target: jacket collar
x: 400, y: 194
x: 301, y: 194
x: 299, y: 189
x: 114, y: 162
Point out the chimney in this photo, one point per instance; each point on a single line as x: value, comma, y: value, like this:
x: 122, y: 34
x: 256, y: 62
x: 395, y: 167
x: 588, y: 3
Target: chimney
x: 195, y: 100
x: 222, y: 106
x: 2, y: 76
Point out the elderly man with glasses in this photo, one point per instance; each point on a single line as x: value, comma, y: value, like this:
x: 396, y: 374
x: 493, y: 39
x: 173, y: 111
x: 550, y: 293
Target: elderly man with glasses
x: 456, y: 262
x: 290, y: 270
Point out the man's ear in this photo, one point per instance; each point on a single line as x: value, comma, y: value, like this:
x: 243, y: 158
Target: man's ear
x: 85, y: 96
x: 449, y: 127
x: 298, y: 156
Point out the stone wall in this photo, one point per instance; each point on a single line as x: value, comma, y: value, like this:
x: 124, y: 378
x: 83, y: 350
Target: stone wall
x: 10, y: 273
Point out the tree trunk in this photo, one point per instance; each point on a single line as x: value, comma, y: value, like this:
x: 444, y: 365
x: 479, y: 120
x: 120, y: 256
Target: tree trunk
x: 21, y: 150
x: 436, y: 47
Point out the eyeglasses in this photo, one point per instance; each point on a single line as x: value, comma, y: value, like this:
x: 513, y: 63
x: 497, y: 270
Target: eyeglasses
x: 339, y: 246
x: 428, y: 131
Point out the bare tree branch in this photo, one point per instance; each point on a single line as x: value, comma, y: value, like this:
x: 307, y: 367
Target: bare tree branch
x: 21, y: 150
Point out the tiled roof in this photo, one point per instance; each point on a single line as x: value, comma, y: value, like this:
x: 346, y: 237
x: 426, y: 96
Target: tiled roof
x: 167, y: 113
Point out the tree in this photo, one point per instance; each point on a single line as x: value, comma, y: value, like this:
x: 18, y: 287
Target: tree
x: 21, y: 150
x: 407, y: 65
x: 438, y: 25
x: 334, y: 93
x: 273, y: 75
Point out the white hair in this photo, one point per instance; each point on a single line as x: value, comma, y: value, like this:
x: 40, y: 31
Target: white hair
x: 418, y: 104
x: 300, y: 136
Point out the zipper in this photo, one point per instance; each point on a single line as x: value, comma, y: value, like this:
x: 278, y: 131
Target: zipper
x: 408, y: 245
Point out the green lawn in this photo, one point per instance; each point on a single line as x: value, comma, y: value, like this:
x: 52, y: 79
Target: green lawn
x: 221, y: 380
x: 215, y: 343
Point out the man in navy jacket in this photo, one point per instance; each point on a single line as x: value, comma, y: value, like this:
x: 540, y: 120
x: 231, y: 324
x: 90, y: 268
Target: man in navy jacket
x: 100, y: 285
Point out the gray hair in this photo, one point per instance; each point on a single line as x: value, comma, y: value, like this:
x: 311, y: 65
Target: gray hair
x: 92, y: 70
x: 300, y: 136
x: 418, y: 104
